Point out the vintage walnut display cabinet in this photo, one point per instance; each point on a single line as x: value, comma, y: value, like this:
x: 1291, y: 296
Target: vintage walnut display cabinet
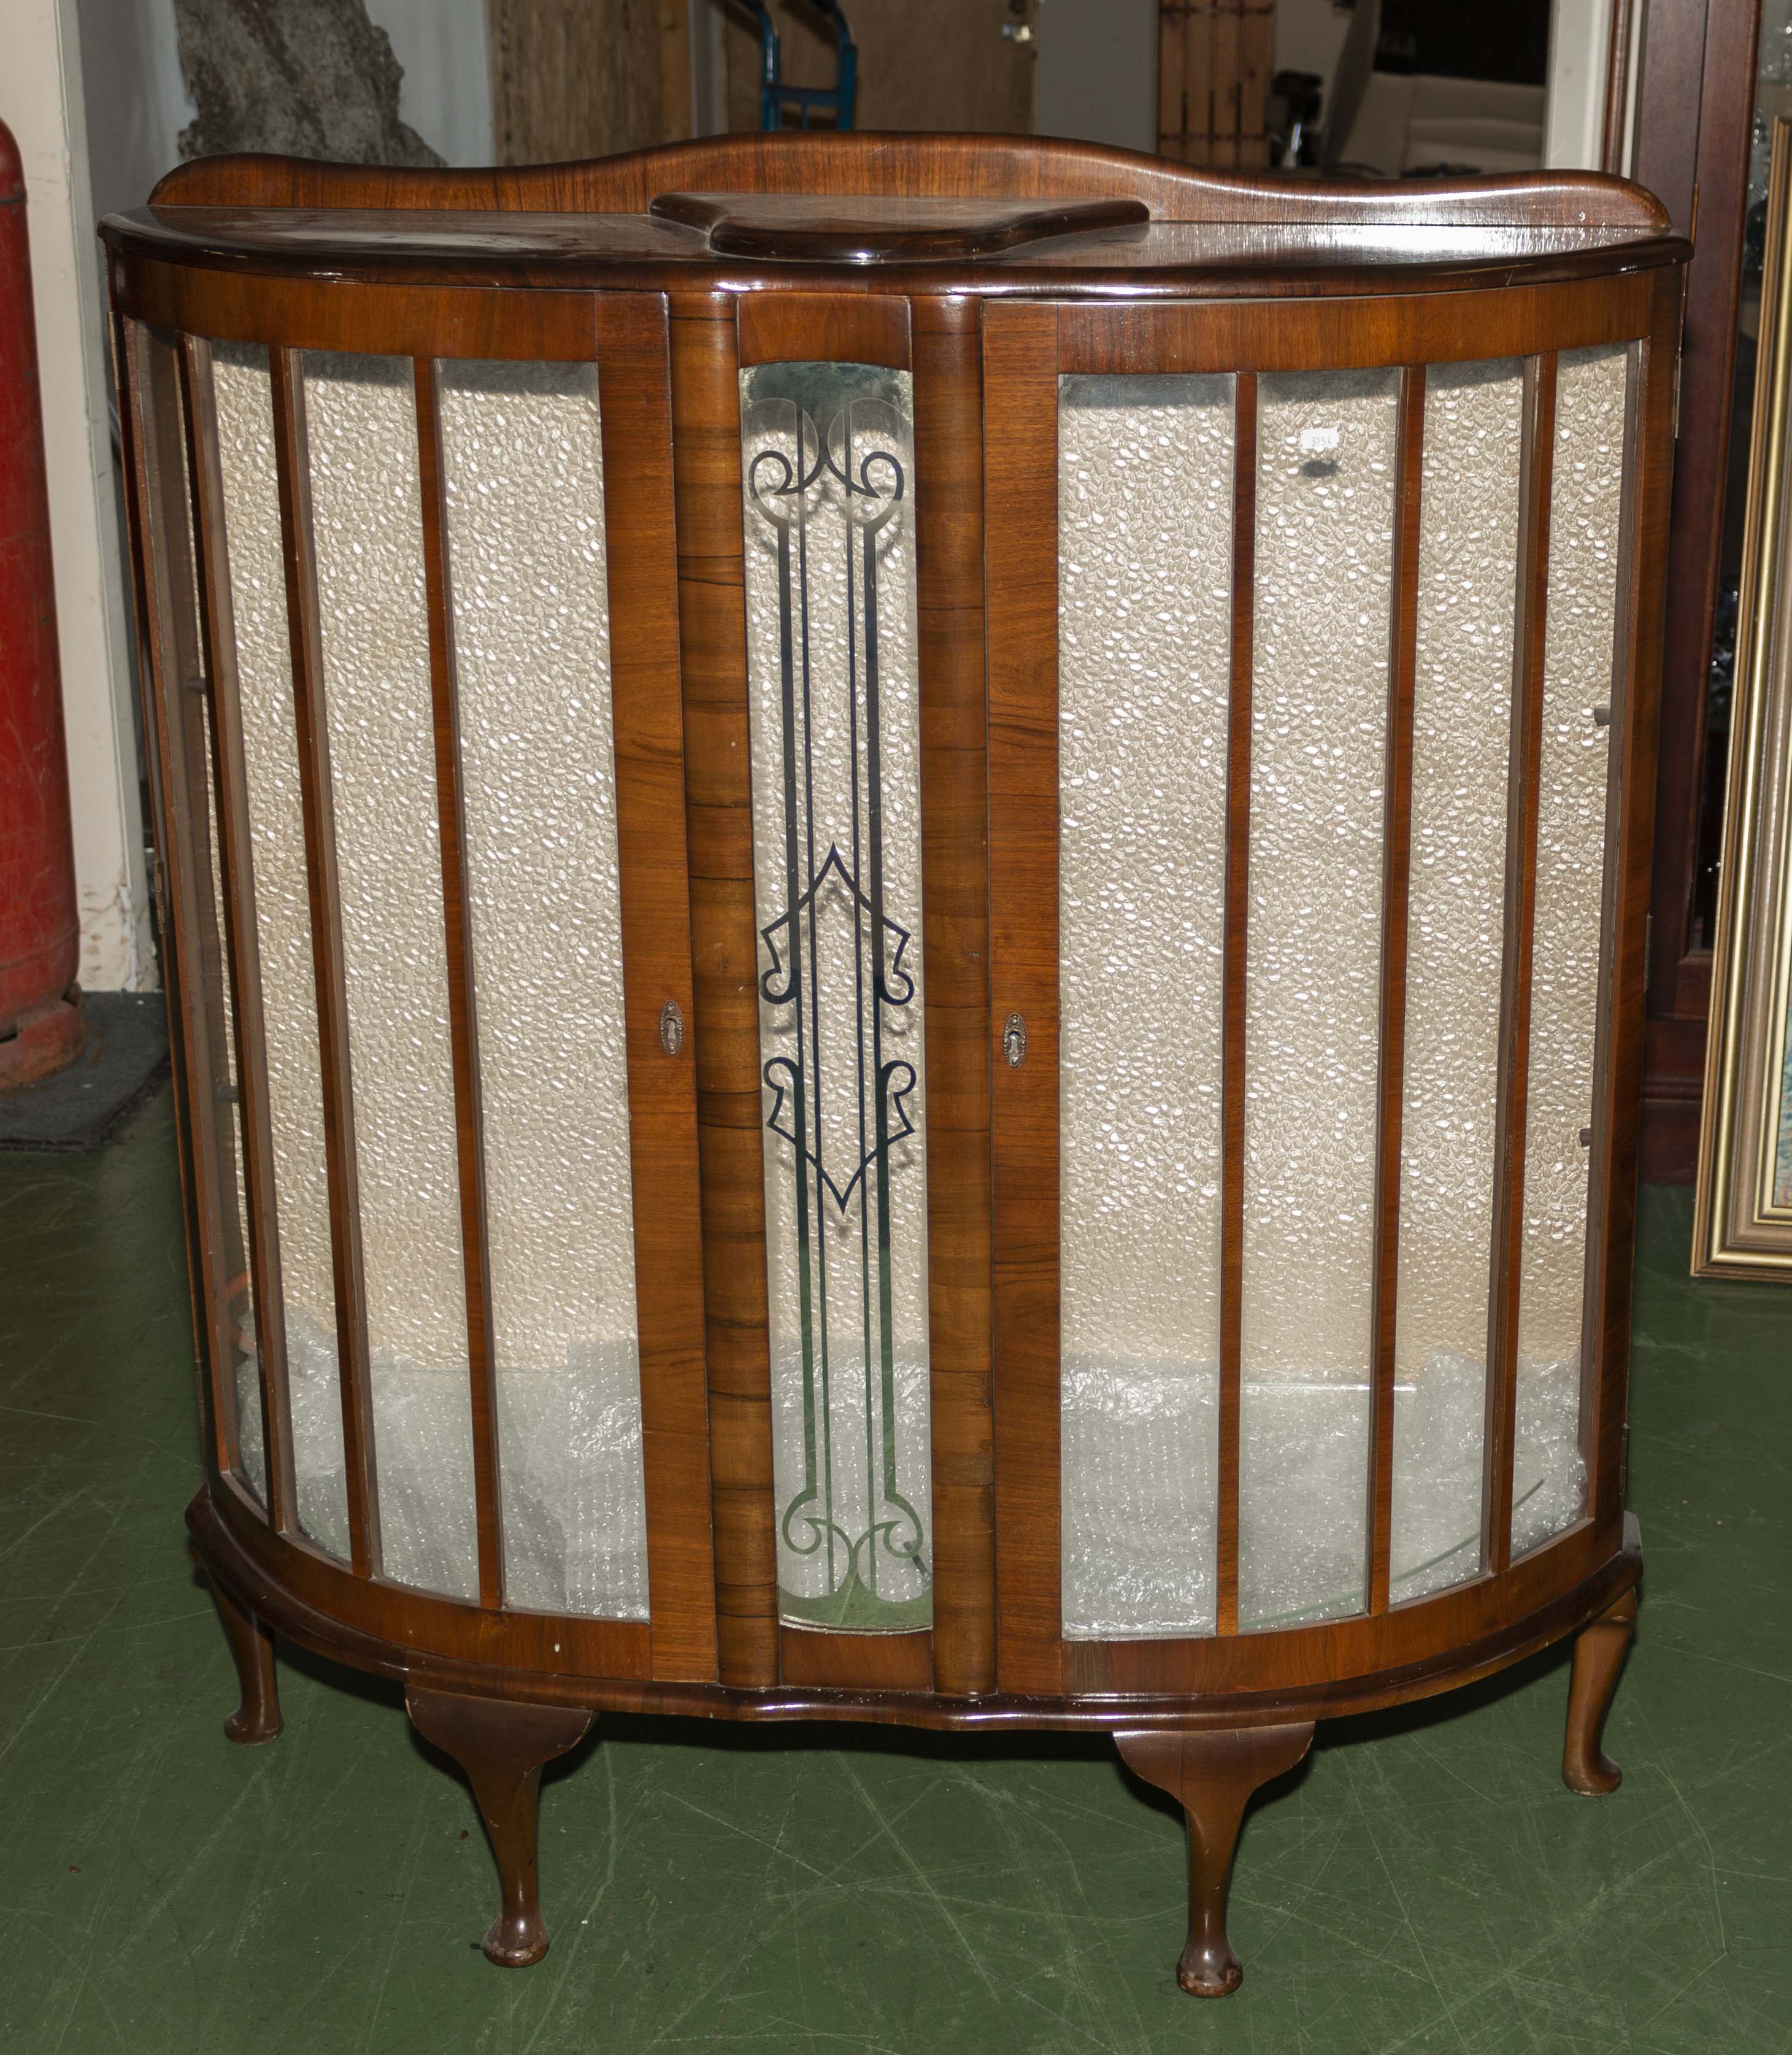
x: 906, y: 879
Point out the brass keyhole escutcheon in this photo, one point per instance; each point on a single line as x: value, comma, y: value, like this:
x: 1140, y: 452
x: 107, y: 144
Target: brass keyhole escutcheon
x: 1013, y: 1041
x: 671, y: 1028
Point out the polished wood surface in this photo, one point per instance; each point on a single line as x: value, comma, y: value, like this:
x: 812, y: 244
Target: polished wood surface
x: 724, y: 943
x: 635, y: 397
x: 785, y: 225
x: 502, y: 1746
x: 863, y: 164
x: 1212, y: 1776
x: 1020, y: 485
x: 257, y: 1718
x: 220, y: 250
x: 1234, y: 927
x: 1600, y: 1649
x: 1411, y: 1653
x: 1397, y: 860
x: 947, y: 360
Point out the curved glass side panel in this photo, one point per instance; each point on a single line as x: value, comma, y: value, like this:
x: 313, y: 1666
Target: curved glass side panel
x: 283, y: 932
x: 1144, y: 639
x: 367, y: 527
x: 828, y: 472
x: 522, y: 458
x: 1549, y: 1478
x: 1319, y: 712
x: 1462, y: 731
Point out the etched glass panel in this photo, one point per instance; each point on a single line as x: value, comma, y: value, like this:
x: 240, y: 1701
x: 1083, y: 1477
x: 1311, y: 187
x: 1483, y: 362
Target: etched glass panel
x: 830, y: 588
x: 1549, y: 1480
x: 523, y: 462
x: 1462, y: 727
x: 367, y: 521
x: 1319, y: 699
x: 1144, y: 640
x: 283, y: 931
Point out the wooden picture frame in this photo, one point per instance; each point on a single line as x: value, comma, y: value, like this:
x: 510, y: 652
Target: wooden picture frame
x: 1742, y: 1223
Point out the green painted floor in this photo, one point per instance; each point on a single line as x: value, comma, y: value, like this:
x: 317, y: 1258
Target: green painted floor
x: 1426, y: 1882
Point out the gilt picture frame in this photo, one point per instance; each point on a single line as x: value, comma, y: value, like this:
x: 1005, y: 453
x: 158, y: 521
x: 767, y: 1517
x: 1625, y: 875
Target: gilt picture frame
x: 1743, y: 1220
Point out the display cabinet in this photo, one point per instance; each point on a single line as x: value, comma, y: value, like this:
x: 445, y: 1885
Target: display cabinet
x: 907, y: 880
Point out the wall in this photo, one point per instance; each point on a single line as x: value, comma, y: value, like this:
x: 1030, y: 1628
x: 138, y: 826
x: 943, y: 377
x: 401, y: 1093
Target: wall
x: 1097, y: 76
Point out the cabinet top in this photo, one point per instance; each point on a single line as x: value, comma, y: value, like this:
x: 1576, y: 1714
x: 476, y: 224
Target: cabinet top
x: 918, y: 214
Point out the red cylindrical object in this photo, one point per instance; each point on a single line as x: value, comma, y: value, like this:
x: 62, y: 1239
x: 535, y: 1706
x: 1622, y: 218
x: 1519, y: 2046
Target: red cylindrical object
x: 40, y: 928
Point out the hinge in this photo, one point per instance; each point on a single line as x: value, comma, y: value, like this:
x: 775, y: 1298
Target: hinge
x: 1624, y: 1464
x: 1648, y: 941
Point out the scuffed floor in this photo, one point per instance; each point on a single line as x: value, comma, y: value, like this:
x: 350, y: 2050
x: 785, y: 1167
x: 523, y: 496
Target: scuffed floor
x: 1426, y: 1882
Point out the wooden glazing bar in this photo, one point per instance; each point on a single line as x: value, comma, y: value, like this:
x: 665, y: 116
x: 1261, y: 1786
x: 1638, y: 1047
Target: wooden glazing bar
x: 1524, y: 770
x: 463, y: 1032
x: 1612, y: 1229
x: 159, y: 515
x: 128, y: 401
x: 241, y: 935
x: 642, y: 554
x: 956, y: 919
x: 1020, y: 474
x: 724, y: 940
x: 1396, y: 871
x: 1232, y: 1048
x: 292, y: 460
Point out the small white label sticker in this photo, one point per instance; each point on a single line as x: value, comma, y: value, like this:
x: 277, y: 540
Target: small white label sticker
x: 1319, y: 439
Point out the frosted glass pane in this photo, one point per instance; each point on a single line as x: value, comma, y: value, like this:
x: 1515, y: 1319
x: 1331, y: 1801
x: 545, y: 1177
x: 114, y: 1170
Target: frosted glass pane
x: 1319, y: 702
x: 367, y: 523
x: 830, y: 591
x: 283, y: 928
x: 524, y: 467
x: 1549, y: 1487
x: 1145, y: 591
x: 1462, y: 725
x: 242, y: 1381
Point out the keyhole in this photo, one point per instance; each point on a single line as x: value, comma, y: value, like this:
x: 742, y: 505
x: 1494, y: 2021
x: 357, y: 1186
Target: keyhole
x: 1013, y: 1040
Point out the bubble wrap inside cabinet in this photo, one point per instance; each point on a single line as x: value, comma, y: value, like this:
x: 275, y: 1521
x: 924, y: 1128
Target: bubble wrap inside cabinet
x: 523, y: 465
x: 1145, y: 609
x: 523, y: 486
x: 1319, y: 692
x: 1586, y: 506
x: 1462, y: 731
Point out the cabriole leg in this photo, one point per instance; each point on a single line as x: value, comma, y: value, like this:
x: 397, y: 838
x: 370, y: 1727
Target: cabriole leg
x: 502, y: 1745
x: 1211, y: 1776
x: 1600, y: 1649
x: 257, y: 1717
